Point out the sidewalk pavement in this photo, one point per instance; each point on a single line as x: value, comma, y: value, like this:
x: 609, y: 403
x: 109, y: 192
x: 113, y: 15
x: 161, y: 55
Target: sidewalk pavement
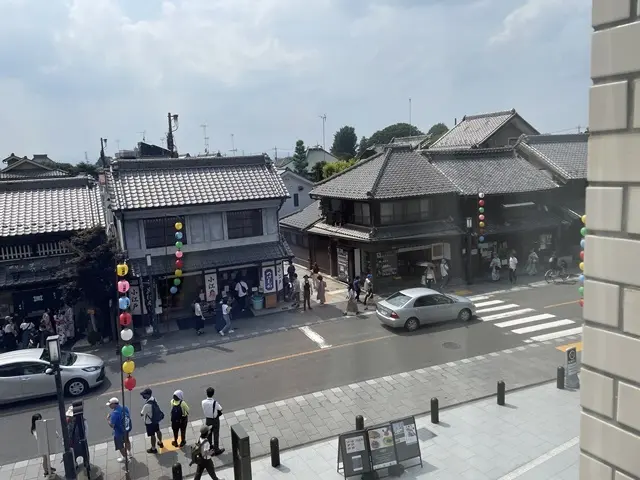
x: 325, y: 414
x: 533, y: 437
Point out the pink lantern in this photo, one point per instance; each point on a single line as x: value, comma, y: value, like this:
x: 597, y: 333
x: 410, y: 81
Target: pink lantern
x: 179, y: 254
x: 123, y: 286
x: 481, y: 217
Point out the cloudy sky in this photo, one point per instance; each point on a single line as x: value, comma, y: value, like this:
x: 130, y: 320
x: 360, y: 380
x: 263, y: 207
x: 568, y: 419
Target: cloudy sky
x: 72, y: 71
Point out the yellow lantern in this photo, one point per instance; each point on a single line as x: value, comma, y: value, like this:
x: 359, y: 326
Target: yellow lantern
x: 128, y: 367
x: 481, y: 224
x: 122, y: 269
x: 584, y: 219
x: 581, y: 266
x: 178, y: 225
x: 178, y: 273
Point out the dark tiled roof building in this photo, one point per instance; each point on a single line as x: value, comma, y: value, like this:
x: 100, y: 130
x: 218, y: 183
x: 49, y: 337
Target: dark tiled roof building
x: 564, y: 155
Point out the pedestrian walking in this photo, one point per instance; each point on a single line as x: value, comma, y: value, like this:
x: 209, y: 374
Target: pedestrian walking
x: 291, y: 270
x: 352, y: 305
x: 27, y: 329
x: 152, y: 416
x: 212, y: 411
x: 430, y: 276
x: 241, y: 293
x: 315, y: 271
x: 226, y: 316
x: 9, y: 335
x: 295, y: 287
x: 46, y: 467
x: 444, y: 273
x: 357, y: 288
x: 201, y: 453
x: 199, y: 317
x: 179, y: 418
x: 368, y: 289
x: 495, y: 266
x: 513, y: 265
x: 322, y: 288
x: 307, y: 290
x: 119, y: 420
x: 532, y: 263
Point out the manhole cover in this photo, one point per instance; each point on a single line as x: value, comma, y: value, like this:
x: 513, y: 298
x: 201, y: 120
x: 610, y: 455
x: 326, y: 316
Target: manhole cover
x: 451, y: 345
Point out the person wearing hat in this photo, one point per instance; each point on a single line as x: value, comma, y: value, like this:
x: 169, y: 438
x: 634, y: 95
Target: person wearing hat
x: 179, y: 418
x: 201, y: 455
x: 152, y: 416
x: 119, y: 420
x: 306, y: 293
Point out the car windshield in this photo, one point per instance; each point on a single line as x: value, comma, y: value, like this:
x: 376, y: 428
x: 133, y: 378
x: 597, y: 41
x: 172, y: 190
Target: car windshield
x: 66, y: 358
x: 398, y: 299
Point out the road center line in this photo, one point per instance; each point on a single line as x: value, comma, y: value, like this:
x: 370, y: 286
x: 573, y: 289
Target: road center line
x: 314, y: 337
x: 562, y: 304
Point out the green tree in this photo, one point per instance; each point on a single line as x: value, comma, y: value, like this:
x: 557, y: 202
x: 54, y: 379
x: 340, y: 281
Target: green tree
x: 384, y: 136
x: 437, y: 130
x: 300, y: 162
x: 317, y: 171
x: 345, y: 142
x: 362, y: 146
x: 332, y: 168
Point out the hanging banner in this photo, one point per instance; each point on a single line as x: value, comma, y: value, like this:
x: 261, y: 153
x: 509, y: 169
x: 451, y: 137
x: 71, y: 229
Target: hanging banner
x: 211, y: 286
x: 137, y: 306
x: 269, y: 279
x: 279, y: 276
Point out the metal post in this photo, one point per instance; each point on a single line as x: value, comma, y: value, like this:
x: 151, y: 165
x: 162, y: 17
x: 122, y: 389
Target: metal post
x: 469, y: 258
x: 501, y: 393
x: 176, y: 471
x: 274, y: 445
x: 359, y: 422
x: 560, y: 378
x: 67, y: 457
x: 435, y: 410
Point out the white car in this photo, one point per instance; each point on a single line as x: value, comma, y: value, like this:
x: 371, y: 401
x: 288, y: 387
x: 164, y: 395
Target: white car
x: 23, y: 374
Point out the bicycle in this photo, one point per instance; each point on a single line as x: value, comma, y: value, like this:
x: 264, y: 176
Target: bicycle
x: 555, y: 275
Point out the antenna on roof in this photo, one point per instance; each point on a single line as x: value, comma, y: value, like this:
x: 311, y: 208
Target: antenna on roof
x: 233, y: 150
x: 410, y: 124
x: 206, y: 139
x: 144, y: 135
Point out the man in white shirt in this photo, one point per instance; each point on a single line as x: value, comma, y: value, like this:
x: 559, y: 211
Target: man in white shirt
x: 241, y: 292
x: 226, y: 316
x: 199, y: 320
x: 212, y: 412
x: 444, y: 273
x: 513, y: 264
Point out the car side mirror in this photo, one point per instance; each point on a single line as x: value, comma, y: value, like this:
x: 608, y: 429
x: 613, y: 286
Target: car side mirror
x: 49, y: 371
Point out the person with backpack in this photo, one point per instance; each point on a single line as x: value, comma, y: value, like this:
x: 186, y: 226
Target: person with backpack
x: 119, y: 420
x: 179, y: 418
x: 212, y: 412
x: 199, y: 317
x: 242, y: 289
x: 201, y: 453
x: 152, y: 416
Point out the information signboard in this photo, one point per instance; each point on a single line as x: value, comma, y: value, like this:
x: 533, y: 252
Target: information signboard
x: 353, y: 453
x: 572, y: 368
x: 382, y: 446
x: 405, y: 435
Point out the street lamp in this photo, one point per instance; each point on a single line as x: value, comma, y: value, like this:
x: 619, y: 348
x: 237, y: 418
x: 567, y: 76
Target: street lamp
x: 53, y: 347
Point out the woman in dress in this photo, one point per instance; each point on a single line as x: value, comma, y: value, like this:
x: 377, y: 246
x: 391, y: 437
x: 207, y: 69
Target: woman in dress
x: 352, y: 304
x: 532, y: 263
x: 9, y: 337
x: 321, y: 289
x: 494, y: 266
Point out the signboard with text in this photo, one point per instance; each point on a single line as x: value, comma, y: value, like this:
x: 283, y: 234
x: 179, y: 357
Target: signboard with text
x: 572, y: 367
x: 405, y: 435
x: 382, y: 446
x: 353, y: 453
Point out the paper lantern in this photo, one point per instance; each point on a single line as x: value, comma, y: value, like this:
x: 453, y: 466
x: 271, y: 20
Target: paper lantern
x: 581, y: 278
x: 127, y: 351
x: 178, y: 272
x: 581, y: 290
x: 481, y: 224
x: 581, y: 302
x: 481, y: 239
x: 178, y: 235
x: 129, y: 383
x: 481, y: 195
x: 584, y: 219
x: 173, y: 290
x: 178, y: 225
x: 123, y: 286
x: 124, y: 302
x: 125, y: 319
x: 122, y: 269
x: 177, y: 281
x: 481, y: 210
x: 128, y: 367
x: 179, y: 244
x: 581, y: 266
x: 179, y: 264
x: 481, y: 217
x: 481, y: 203
x: 126, y: 334
x: 583, y: 231
x: 582, y: 255
x: 179, y: 254
x: 582, y: 243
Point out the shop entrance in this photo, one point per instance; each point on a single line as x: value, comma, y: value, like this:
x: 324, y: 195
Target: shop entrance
x: 179, y: 305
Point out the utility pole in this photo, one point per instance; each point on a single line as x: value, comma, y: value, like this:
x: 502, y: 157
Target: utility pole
x: 233, y: 150
x: 144, y: 135
x: 410, y: 124
x: 206, y: 139
x: 324, y: 147
x: 103, y: 159
x: 173, y: 126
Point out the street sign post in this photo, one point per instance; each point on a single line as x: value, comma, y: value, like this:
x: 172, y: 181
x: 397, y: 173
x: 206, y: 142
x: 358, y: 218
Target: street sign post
x: 572, y: 368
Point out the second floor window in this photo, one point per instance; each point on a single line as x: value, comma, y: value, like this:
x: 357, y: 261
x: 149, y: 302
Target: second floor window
x: 405, y: 211
x: 161, y: 232
x: 361, y: 214
x: 296, y: 200
x: 244, y: 223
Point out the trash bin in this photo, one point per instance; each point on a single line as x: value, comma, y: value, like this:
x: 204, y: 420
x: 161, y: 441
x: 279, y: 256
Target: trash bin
x: 257, y: 302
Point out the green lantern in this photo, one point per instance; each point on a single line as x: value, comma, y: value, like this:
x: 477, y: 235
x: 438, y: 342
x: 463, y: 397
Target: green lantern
x: 581, y: 290
x: 481, y: 210
x: 127, y: 351
x: 177, y: 281
x: 583, y: 231
x: 178, y: 244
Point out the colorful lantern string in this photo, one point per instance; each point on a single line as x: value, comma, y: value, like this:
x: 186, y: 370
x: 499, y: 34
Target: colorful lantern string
x: 481, y: 217
x: 583, y: 232
x: 179, y: 263
x: 126, y: 333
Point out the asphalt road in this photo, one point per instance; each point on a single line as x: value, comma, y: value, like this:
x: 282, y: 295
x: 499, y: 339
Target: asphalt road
x: 281, y: 365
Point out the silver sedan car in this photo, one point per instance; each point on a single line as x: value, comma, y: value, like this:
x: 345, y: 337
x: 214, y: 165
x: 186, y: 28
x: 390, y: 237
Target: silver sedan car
x: 414, y: 307
x: 23, y: 374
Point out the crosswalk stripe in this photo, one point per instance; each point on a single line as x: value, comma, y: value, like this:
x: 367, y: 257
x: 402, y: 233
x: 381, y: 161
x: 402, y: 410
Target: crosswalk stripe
x: 554, y: 335
x: 520, y: 321
x: 512, y: 313
x: 490, y: 302
x: 498, y: 308
x: 478, y: 298
x: 543, y: 326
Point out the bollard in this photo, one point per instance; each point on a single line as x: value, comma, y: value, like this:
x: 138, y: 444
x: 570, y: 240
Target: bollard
x: 501, y: 392
x: 359, y: 422
x: 275, y: 452
x: 176, y: 471
x: 560, y: 378
x: 435, y: 411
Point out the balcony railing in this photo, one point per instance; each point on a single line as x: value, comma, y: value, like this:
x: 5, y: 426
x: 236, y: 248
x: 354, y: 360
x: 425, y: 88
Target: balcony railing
x: 19, y: 252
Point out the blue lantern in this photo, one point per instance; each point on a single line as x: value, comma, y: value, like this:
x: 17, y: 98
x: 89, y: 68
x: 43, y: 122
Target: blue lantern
x: 173, y: 290
x: 178, y: 235
x: 581, y: 278
x: 481, y: 238
x: 582, y: 242
x: 124, y: 302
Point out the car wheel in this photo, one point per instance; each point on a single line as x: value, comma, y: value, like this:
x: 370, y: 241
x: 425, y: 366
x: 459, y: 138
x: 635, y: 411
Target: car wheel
x: 76, y: 387
x: 411, y: 325
x: 464, y: 315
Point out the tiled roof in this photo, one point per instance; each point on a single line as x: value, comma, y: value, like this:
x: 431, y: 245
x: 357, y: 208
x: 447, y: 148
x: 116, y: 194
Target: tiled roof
x: 399, y: 172
x: 491, y: 171
x: 473, y: 130
x: 412, y: 141
x: 303, y: 219
x: 29, y: 207
x: 165, y: 182
x: 34, y: 169
x: 565, y: 154
x: 432, y: 229
x: 219, y: 258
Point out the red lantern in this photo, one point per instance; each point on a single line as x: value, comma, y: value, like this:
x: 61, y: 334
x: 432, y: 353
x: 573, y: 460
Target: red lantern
x: 582, y: 255
x: 125, y: 319
x: 129, y: 383
x: 481, y: 203
x: 179, y: 263
x: 581, y: 302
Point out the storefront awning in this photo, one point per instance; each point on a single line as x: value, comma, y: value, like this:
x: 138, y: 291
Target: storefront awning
x: 536, y: 220
x: 220, y: 258
x: 432, y: 229
x: 574, y: 209
x: 31, y: 271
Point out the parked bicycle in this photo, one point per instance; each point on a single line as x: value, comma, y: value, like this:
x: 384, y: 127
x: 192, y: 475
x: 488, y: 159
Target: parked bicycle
x: 559, y: 275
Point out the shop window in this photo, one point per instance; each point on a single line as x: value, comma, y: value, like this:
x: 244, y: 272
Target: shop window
x: 160, y: 232
x: 437, y: 251
x: 361, y: 213
x: 296, y: 200
x: 406, y: 211
x: 244, y: 224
